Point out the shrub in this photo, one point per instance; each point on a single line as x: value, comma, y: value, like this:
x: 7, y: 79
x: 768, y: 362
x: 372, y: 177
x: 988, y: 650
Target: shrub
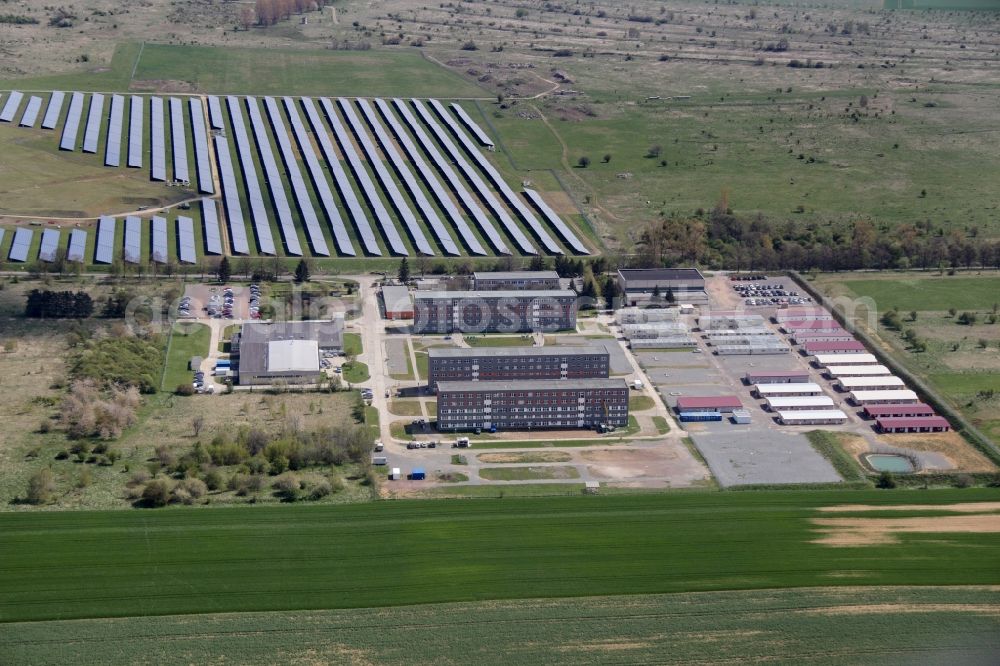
x: 184, y: 389
x: 287, y: 486
x: 41, y: 487
x: 885, y: 480
x: 320, y: 490
x: 157, y: 492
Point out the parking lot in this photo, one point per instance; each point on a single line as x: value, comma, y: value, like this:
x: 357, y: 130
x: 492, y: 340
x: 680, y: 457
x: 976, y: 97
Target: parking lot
x: 220, y: 302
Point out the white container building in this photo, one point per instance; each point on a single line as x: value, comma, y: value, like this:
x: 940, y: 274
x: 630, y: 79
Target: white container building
x: 812, y: 417
x: 891, y: 383
x: 787, y: 390
x: 894, y: 397
x: 826, y: 360
x: 813, y: 402
x: 841, y: 371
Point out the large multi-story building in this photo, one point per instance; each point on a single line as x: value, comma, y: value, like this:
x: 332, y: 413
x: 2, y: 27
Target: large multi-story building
x: 641, y: 286
x: 510, y: 363
x: 494, y: 311
x: 515, y: 280
x: 545, y: 404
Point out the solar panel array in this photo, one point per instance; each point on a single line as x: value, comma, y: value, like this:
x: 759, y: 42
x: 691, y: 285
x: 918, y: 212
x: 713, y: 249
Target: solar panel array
x: 71, y: 128
x: 135, y: 132
x: 476, y: 130
x: 571, y: 239
x: 77, y: 245
x: 201, y: 157
x: 313, y: 227
x: 53, y: 110
x: 157, y: 141
x: 104, y: 253
x: 388, y: 184
x: 178, y: 140
x: 340, y: 235
x: 231, y: 195
x: 30, y: 116
x: 273, y: 177
x: 20, y: 245
x: 185, y: 240
x: 512, y: 199
x: 93, y: 131
x: 113, y: 152
x: 49, y: 245
x: 215, y: 115
x: 299, y: 189
x: 485, y: 225
x: 133, y: 239
x: 10, y: 106
x: 430, y: 214
x: 389, y: 230
x: 210, y: 221
x: 340, y: 179
x: 258, y: 211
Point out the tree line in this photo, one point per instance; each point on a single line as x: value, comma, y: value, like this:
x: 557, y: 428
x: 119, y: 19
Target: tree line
x: 46, y: 304
x: 722, y: 239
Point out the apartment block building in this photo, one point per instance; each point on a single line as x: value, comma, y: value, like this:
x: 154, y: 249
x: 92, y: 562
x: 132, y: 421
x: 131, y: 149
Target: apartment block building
x: 494, y: 311
x: 510, y: 363
x: 542, y: 404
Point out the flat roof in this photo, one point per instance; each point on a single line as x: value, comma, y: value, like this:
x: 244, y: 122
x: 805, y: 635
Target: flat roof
x: 396, y: 296
x: 777, y: 373
x: 859, y: 370
x: 844, y: 359
x: 513, y: 352
x: 687, y: 402
x: 327, y: 331
x: 500, y: 293
x: 826, y: 346
x: 911, y: 408
x: 861, y: 382
x: 515, y: 275
x: 800, y: 400
x: 904, y: 395
x: 804, y: 387
x: 913, y: 421
x: 660, y: 274
x: 292, y: 356
x: 811, y: 414
x: 811, y: 325
x: 531, y: 385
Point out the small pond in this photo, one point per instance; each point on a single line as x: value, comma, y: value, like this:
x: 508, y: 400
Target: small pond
x: 888, y: 462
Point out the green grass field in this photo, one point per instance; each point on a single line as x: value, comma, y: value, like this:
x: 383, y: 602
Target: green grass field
x: 292, y: 557
x: 187, y: 341
x: 272, y: 71
x: 499, y: 341
x: 929, y: 293
x: 356, y: 372
x: 352, y: 344
x: 815, y: 625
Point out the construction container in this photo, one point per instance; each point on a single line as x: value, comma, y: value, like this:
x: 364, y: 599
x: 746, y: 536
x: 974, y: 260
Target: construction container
x: 692, y: 417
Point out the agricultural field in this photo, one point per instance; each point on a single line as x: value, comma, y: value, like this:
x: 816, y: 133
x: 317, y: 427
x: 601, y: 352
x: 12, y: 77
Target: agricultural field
x: 312, y: 557
x: 960, y: 361
x: 829, y: 625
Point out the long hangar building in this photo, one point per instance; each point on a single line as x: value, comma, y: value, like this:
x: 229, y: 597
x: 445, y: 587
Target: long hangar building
x: 286, y: 351
x: 638, y: 285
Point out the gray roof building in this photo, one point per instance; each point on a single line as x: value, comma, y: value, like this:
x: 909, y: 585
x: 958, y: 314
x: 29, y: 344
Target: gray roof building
x: 284, y: 351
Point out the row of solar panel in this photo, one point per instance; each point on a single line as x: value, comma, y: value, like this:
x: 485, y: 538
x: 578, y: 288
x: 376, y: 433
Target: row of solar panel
x: 104, y: 250
x: 112, y: 155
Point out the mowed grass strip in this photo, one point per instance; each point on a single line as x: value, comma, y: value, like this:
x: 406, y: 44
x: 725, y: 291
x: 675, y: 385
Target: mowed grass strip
x: 64, y: 565
x: 927, y: 625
